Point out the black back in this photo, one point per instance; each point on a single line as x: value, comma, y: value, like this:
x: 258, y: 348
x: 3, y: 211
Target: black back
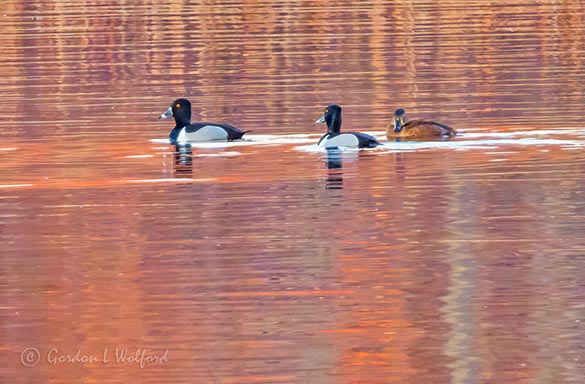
x: 366, y: 141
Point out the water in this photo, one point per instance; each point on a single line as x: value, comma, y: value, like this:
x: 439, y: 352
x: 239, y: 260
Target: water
x: 271, y: 260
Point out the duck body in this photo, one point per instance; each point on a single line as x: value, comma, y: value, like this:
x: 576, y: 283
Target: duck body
x: 402, y: 128
x: 187, y: 132
x: 201, y: 132
x: 335, y: 138
x: 347, y: 139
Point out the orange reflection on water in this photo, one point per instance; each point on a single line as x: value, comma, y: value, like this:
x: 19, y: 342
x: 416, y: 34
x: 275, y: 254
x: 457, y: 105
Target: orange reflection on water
x: 273, y: 263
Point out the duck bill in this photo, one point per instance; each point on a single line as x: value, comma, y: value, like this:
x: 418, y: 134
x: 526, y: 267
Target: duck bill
x: 167, y: 114
x: 321, y: 120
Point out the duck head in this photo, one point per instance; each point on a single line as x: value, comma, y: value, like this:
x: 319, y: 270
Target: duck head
x: 399, y: 119
x: 331, y: 116
x: 180, y: 110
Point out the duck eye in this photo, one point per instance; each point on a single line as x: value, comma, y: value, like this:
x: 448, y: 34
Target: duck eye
x: 177, y: 105
x: 327, y: 110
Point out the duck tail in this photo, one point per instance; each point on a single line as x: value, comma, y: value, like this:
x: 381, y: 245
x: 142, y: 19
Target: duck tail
x: 243, y: 133
x: 237, y: 135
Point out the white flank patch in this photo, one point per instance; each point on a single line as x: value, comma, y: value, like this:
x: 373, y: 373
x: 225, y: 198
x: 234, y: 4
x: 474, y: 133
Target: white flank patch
x: 346, y: 140
x: 206, y: 133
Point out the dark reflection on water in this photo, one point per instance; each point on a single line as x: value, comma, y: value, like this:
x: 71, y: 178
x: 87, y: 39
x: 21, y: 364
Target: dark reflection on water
x: 334, y: 164
x: 183, y: 161
x: 272, y: 263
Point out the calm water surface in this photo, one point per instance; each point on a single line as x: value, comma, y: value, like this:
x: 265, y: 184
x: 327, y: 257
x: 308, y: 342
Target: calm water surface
x: 270, y: 261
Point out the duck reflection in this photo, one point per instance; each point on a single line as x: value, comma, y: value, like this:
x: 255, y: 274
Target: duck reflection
x: 400, y: 164
x: 183, y: 161
x: 334, y: 163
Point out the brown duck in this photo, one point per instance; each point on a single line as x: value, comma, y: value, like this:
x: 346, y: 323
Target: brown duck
x: 401, y: 127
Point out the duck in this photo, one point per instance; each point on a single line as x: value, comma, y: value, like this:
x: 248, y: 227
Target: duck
x: 401, y: 127
x: 187, y: 132
x: 335, y: 138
